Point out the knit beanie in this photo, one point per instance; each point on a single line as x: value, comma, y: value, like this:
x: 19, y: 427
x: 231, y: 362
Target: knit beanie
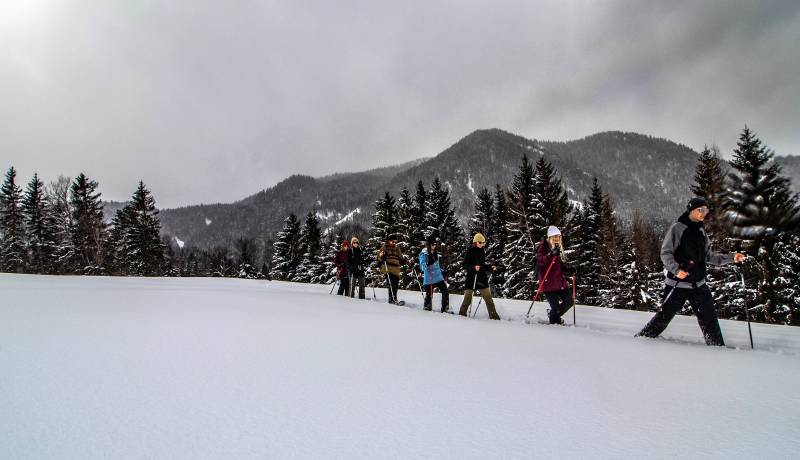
x: 553, y: 231
x: 696, y: 202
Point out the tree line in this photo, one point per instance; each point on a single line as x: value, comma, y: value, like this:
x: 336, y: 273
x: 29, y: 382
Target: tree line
x: 60, y: 229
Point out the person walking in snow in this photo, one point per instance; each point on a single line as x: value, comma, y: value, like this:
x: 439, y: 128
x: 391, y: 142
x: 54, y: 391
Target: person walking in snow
x: 390, y: 260
x: 432, y: 275
x: 477, y: 276
x: 340, y: 261
x: 550, y: 256
x: 355, y: 267
x: 685, y: 252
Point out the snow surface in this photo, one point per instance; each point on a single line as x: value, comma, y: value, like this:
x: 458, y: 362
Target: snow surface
x: 208, y: 221
x: 123, y: 368
x: 180, y: 242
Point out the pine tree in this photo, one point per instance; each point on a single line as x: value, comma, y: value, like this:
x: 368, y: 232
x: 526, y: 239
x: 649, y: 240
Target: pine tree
x: 286, y: 250
x: 551, y: 198
x: 497, y: 245
x: 144, y: 252
x: 709, y: 183
x: 41, y: 228
x: 311, y: 268
x: 246, y: 257
x: 333, y: 242
x: 405, y: 209
x: 442, y: 223
x: 759, y: 207
x: 88, y: 229
x: 586, y: 245
x: 610, y: 249
x: 384, y: 223
x: 483, y: 220
x: 12, y: 226
x: 524, y: 225
x: 646, y: 275
x: 787, y: 281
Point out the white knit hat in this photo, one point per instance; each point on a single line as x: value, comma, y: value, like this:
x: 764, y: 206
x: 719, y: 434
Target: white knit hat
x: 553, y: 231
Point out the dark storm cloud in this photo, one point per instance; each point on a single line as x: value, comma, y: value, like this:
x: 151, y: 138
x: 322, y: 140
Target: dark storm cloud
x: 208, y: 101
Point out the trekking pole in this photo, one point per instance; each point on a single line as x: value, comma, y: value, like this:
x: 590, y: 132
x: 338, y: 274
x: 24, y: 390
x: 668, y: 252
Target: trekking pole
x: 746, y: 311
x: 421, y: 291
x: 481, y: 299
x: 541, y: 286
x: 574, y: 307
x: 334, y: 285
x: 474, y: 283
x: 374, y: 297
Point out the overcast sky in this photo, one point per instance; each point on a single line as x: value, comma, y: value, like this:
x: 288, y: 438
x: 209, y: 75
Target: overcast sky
x: 213, y: 101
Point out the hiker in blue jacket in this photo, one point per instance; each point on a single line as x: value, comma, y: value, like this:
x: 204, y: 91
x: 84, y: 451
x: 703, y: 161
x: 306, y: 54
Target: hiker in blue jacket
x: 432, y: 276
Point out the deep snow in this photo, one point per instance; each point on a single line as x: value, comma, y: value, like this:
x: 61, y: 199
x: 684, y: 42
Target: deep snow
x: 222, y: 368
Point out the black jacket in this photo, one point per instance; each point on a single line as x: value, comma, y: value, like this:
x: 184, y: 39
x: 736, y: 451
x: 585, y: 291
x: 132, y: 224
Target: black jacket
x: 355, y: 261
x: 687, y: 247
x: 476, y: 256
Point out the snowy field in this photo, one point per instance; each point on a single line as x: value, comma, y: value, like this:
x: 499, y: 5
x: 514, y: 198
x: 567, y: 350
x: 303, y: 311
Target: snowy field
x: 133, y: 368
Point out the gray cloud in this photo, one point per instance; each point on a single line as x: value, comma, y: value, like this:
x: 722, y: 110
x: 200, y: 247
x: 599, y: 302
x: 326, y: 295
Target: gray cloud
x: 207, y: 102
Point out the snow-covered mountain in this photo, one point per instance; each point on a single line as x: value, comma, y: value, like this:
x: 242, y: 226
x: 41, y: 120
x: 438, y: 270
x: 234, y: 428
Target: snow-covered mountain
x: 644, y: 172
x: 97, y: 367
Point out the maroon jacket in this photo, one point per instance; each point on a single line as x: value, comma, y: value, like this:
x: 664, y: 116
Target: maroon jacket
x: 555, y: 279
x: 340, y: 261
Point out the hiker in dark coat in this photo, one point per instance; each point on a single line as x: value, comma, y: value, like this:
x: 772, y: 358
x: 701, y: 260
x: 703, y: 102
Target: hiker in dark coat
x: 355, y: 267
x: 550, y: 256
x: 432, y: 275
x: 685, y: 252
x: 341, y: 268
x: 390, y: 261
x: 478, y: 277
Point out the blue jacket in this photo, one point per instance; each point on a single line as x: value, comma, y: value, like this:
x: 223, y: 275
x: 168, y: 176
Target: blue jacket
x: 431, y: 274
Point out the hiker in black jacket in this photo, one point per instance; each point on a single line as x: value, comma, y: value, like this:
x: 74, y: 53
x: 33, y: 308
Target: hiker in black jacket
x: 355, y: 267
x: 685, y: 252
x: 478, y: 277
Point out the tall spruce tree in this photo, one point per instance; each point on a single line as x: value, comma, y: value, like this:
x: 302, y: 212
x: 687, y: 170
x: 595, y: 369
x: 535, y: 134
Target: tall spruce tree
x: 586, y: 244
x: 311, y: 268
x: 552, y: 197
x: 12, y: 225
x: 88, y: 228
x: 709, y: 182
x: 524, y: 227
x: 246, y: 250
x: 333, y: 241
x: 760, y: 206
x: 482, y: 220
x: 286, y: 255
x: 144, y: 252
x: 405, y: 233
x: 384, y: 223
x: 611, y: 251
x: 442, y: 223
x: 497, y: 244
x: 40, y: 226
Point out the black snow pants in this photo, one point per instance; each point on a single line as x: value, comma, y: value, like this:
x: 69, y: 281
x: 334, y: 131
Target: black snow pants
x: 703, y: 306
x: 442, y: 286
x: 344, y: 285
x: 560, y: 302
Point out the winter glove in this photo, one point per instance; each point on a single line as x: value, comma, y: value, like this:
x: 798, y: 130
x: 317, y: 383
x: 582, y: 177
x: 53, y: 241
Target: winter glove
x: 432, y: 258
x: 556, y: 251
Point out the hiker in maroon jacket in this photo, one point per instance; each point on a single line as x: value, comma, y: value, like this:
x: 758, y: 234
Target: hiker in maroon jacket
x: 341, y: 268
x: 550, y: 255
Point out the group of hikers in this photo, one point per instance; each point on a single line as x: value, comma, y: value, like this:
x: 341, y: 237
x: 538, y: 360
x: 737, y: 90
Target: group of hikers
x: 685, y: 252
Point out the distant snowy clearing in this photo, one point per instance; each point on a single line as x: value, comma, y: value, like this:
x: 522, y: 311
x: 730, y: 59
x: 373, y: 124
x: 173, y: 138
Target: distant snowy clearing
x: 133, y: 368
